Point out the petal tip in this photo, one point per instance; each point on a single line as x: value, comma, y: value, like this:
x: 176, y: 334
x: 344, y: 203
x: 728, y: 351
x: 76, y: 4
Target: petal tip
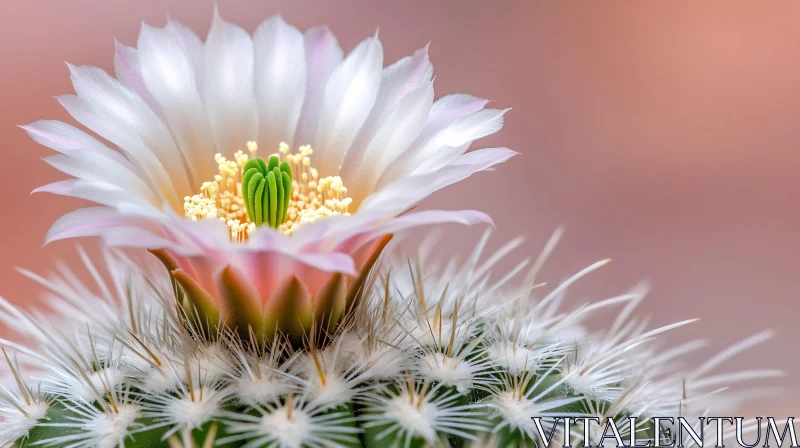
x: 483, y: 218
x: 217, y: 17
x: 145, y: 29
x: 51, y: 237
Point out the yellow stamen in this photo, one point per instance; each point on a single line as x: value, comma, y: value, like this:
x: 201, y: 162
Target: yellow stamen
x: 312, y: 198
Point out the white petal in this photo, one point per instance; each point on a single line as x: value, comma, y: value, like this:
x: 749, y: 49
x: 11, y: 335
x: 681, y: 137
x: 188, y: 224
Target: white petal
x: 228, y: 86
x: 67, y: 139
x: 450, y: 108
x: 169, y: 75
x: 326, y: 234
x: 280, y: 81
x: 460, y: 134
x: 323, y: 55
x: 96, y: 168
x: 131, y: 122
x: 464, y: 131
x: 405, y: 193
x: 128, y: 71
x: 142, y: 238
x: 335, y: 262
x: 110, y: 128
x: 349, y: 97
x: 191, y: 235
x: 102, y: 193
x: 428, y: 217
x: 91, y: 221
x: 484, y: 158
x: 397, y: 81
x: 444, y: 112
x: 400, y: 129
x: 348, y: 233
x: 192, y: 47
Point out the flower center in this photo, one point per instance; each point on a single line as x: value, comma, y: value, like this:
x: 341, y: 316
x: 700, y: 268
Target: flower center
x: 283, y: 193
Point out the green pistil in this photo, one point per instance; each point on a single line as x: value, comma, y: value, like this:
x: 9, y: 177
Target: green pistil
x: 266, y: 190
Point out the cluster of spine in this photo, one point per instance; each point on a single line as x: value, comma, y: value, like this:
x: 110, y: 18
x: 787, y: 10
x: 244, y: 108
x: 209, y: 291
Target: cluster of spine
x: 437, y: 356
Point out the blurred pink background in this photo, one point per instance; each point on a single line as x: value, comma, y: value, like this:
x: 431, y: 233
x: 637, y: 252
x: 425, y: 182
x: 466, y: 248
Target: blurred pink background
x: 662, y: 135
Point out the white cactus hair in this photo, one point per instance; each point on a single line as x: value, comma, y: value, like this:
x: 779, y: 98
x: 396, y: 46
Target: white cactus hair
x: 440, y: 354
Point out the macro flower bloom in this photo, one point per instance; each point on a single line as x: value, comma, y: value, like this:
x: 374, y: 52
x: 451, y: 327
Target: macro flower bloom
x: 266, y: 172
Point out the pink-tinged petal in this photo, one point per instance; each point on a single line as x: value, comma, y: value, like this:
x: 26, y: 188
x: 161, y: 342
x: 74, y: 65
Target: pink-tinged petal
x: 367, y: 255
x: 323, y: 55
x: 228, y: 86
x: 99, y: 192
x: 268, y: 267
x: 313, y: 243
x: 403, y: 194
x: 89, y: 157
x: 349, y: 96
x: 357, y: 241
x: 269, y: 239
x: 398, y: 80
x: 428, y: 156
x: 139, y: 237
x: 202, y: 268
x: 95, y: 168
x: 109, y: 127
x: 311, y: 276
x: 335, y: 262
x: 265, y: 269
x: 280, y: 81
x: 324, y: 235
x: 91, y: 221
x: 130, y: 123
x: 170, y: 76
x: 68, y: 139
x: 128, y: 71
x: 207, y: 235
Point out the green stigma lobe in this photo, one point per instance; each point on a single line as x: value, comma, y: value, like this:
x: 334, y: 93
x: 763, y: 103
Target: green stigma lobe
x: 257, y: 205
x: 255, y: 188
x: 287, y: 186
x: 274, y: 198
x: 267, y: 191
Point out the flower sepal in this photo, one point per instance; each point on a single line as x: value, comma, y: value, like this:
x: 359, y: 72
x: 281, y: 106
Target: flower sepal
x: 271, y: 299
